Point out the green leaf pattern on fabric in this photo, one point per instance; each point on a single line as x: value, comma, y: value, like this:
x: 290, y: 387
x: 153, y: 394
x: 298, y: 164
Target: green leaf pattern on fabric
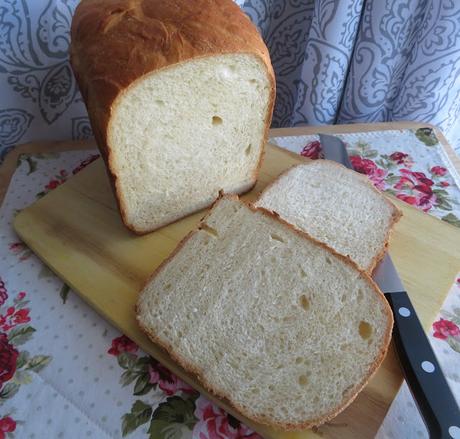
x: 172, y: 417
x: 427, y: 136
x: 140, y: 414
x: 20, y: 335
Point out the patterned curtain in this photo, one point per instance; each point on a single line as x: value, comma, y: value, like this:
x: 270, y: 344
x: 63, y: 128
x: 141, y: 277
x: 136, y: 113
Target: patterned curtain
x: 336, y: 61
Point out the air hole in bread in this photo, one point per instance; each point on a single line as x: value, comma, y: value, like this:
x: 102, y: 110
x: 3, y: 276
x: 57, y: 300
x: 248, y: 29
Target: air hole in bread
x: 159, y: 102
x: 365, y: 330
x: 168, y: 287
x: 234, y: 208
x: 271, y: 387
x: 303, y: 380
x: 347, y: 389
x: 117, y: 11
x: 328, y: 260
x: 277, y: 238
x: 343, y: 298
x: 302, y: 273
x: 360, y: 295
x: 304, y: 302
x: 216, y: 120
x: 299, y: 411
x: 247, y: 151
x: 211, y: 231
x: 234, y: 365
x: 253, y: 81
x: 298, y: 360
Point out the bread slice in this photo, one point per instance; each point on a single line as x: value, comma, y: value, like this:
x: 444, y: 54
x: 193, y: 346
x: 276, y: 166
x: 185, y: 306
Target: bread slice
x: 334, y: 205
x: 180, y: 97
x: 284, y: 328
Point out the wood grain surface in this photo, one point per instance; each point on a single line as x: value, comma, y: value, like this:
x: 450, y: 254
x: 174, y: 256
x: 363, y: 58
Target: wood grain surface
x: 76, y: 230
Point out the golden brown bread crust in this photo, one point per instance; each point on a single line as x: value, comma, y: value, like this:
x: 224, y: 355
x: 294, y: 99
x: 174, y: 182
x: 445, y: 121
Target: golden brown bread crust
x: 352, y: 393
x: 396, y: 213
x: 116, y: 42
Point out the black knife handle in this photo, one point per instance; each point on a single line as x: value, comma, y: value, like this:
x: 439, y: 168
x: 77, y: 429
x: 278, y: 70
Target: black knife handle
x: 421, y: 369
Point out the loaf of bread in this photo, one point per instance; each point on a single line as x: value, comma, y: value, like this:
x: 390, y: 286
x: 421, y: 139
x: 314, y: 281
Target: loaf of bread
x: 180, y: 96
x: 334, y: 205
x: 284, y: 328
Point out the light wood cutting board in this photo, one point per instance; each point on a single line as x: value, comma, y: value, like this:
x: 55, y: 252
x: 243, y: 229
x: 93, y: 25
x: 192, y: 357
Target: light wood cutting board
x: 76, y: 230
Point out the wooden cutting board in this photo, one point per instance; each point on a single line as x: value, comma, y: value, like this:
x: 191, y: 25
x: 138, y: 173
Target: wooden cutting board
x: 76, y: 230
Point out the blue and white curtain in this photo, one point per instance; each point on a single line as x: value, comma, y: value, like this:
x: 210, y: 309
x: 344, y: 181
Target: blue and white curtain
x: 336, y: 61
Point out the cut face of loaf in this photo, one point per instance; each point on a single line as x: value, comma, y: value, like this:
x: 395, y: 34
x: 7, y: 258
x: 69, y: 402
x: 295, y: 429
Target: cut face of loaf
x: 180, y: 97
x: 281, y: 326
x: 180, y: 135
x: 336, y: 206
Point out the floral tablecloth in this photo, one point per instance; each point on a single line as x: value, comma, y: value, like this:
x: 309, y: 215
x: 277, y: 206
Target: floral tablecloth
x: 67, y: 373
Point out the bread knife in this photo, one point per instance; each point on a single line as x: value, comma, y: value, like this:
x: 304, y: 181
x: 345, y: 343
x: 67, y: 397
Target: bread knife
x: 421, y: 369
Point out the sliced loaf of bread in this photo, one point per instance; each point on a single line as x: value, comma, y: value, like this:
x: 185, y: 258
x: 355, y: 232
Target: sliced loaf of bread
x: 180, y: 97
x: 334, y: 205
x: 284, y: 328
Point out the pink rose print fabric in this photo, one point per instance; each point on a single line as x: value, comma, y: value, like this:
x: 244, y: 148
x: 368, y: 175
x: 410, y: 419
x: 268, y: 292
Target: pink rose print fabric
x: 369, y: 168
x: 312, y: 150
x: 16, y: 363
x: 214, y: 423
x: 7, y: 425
x: 444, y: 329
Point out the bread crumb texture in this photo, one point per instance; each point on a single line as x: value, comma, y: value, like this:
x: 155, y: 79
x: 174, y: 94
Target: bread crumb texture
x: 181, y: 134
x: 336, y: 206
x: 283, y: 328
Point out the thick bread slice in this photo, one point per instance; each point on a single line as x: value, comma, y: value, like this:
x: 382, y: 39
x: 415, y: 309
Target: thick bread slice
x: 180, y: 97
x: 285, y: 329
x: 335, y: 205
